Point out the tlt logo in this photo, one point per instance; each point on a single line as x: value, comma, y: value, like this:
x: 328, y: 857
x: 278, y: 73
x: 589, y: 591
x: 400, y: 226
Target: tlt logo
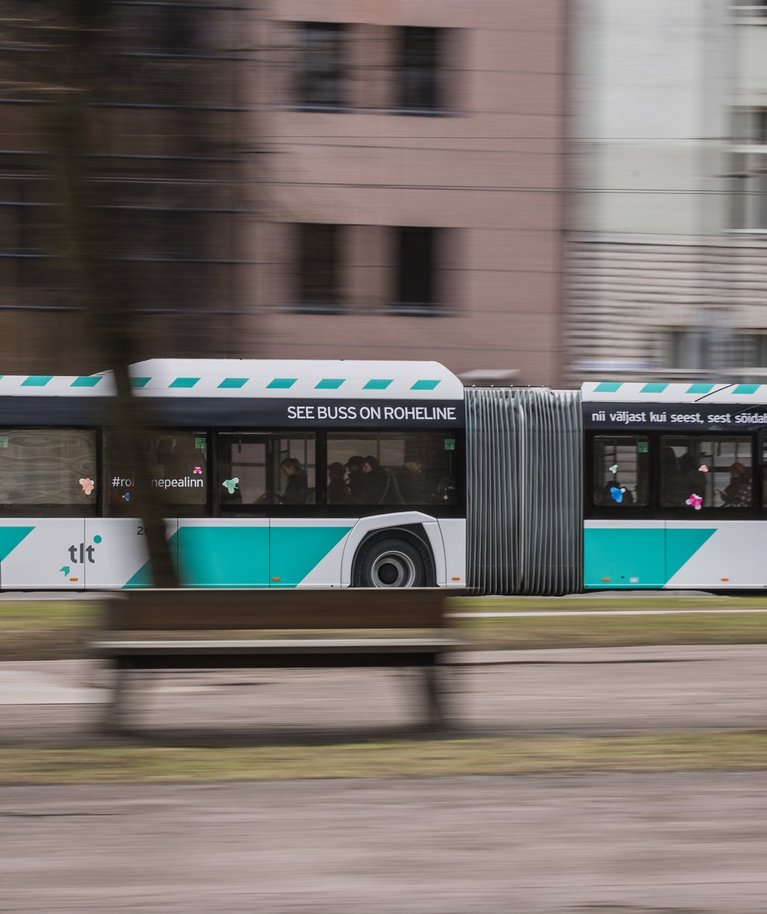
x: 79, y: 554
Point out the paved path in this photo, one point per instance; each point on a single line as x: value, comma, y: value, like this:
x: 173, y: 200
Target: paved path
x: 589, y: 844
x: 579, y: 691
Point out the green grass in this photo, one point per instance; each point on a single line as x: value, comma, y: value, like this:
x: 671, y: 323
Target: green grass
x: 686, y: 751
x: 49, y: 630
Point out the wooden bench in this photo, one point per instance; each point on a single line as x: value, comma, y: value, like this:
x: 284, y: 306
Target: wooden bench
x: 266, y: 628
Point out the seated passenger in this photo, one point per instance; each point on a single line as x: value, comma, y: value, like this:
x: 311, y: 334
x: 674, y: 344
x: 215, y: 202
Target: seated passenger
x: 737, y: 494
x: 296, y: 487
x: 338, y: 490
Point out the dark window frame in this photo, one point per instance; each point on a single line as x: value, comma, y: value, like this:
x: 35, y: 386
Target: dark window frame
x: 420, y: 70
x: 318, y: 268
x: 314, y: 74
x: 417, y: 278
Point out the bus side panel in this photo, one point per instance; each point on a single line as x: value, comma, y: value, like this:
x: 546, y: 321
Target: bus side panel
x: 41, y: 553
x: 231, y: 552
x: 624, y: 554
x: 121, y: 557
x: 454, y: 539
x: 307, y: 552
x: 727, y: 554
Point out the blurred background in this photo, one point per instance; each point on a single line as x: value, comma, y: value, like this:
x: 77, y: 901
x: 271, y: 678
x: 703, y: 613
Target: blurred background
x: 539, y: 191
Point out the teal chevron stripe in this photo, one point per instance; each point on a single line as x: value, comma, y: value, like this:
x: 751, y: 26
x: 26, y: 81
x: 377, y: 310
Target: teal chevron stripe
x: 425, y: 384
x: 234, y: 382
x: 638, y: 557
x: 378, y: 384
x: 86, y: 381
x: 746, y: 388
x: 37, y: 380
x: 184, y: 382
x: 139, y: 382
x: 295, y: 551
x: 700, y: 388
x: 281, y: 383
x: 681, y: 546
x: 329, y: 384
x: 10, y: 537
x: 608, y: 387
x: 653, y: 388
x: 221, y: 556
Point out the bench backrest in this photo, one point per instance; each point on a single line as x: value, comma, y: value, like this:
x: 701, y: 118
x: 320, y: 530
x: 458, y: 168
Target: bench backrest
x: 190, y: 609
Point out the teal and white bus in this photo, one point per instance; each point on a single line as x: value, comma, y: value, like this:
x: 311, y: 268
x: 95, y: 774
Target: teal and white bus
x: 272, y: 474
x: 386, y: 474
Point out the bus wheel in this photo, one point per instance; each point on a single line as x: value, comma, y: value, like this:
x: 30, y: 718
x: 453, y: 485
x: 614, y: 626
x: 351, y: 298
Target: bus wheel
x: 391, y: 563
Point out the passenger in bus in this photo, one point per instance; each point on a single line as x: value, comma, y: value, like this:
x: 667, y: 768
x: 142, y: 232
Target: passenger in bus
x: 296, y: 487
x: 412, y: 483
x: 380, y: 487
x: 691, y: 480
x: 737, y: 494
x: 356, y: 480
x: 338, y: 490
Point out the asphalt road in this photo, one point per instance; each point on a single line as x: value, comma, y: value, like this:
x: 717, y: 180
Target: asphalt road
x: 581, y: 691
x: 589, y: 844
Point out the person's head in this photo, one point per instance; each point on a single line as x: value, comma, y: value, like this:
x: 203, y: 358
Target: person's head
x: 371, y: 465
x: 290, y: 466
x: 413, y: 466
x: 355, y: 464
x: 687, y: 462
x: 336, y: 472
x: 738, y: 470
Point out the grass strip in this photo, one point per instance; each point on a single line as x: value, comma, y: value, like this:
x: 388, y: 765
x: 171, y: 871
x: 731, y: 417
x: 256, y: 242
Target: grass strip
x: 693, y: 751
x: 613, y: 631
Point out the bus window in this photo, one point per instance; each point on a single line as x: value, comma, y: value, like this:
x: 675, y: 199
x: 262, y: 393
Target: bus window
x: 266, y: 469
x: 392, y: 468
x: 699, y: 472
x: 620, y: 471
x: 50, y: 470
x: 178, y: 472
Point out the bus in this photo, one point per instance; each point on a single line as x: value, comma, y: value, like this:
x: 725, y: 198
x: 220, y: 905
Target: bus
x: 271, y: 474
x: 385, y: 474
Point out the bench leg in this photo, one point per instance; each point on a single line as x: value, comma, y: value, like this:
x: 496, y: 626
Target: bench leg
x: 435, y: 695
x: 113, y: 717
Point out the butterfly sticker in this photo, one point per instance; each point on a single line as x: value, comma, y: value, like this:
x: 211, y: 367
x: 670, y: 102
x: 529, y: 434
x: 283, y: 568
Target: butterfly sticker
x: 613, y: 469
x: 616, y: 493
x: 87, y: 485
x: 695, y: 501
x: 197, y: 471
x: 231, y: 485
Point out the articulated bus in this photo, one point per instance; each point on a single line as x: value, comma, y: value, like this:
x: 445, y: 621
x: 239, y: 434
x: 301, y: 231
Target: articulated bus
x: 385, y: 474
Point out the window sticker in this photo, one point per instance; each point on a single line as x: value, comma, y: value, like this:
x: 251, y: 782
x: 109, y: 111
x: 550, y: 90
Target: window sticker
x: 197, y: 471
x: 231, y: 485
x: 695, y: 501
x: 613, y: 469
x: 617, y: 493
x: 87, y: 485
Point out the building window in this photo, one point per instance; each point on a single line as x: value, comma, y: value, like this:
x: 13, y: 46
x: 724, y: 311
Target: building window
x: 419, y: 70
x: 416, y: 269
x: 750, y: 192
x: 749, y: 126
x: 318, y: 262
x: 321, y: 65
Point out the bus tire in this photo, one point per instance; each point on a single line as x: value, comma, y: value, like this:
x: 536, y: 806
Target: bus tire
x: 390, y: 563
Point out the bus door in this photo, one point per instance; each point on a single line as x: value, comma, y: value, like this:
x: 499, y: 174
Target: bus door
x: 231, y: 549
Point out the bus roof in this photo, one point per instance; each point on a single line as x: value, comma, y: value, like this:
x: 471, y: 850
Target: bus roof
x: 256, y: 378
x: 650, y: 392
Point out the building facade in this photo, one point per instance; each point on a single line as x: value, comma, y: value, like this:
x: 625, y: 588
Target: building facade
x: 667, y: 252
x: 409, y: 190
